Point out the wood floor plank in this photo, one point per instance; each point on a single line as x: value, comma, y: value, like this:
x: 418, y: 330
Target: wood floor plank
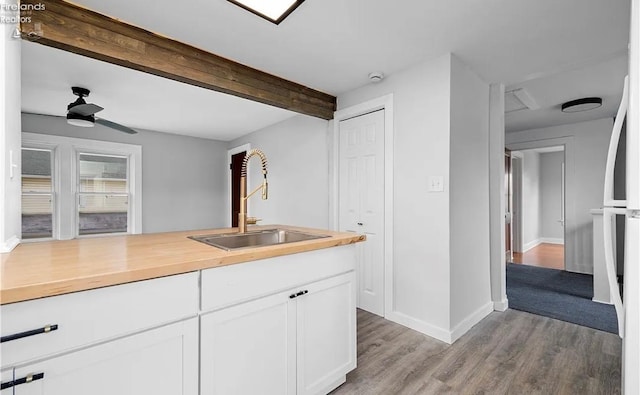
x: 507, y: 353
x: 543, y: 255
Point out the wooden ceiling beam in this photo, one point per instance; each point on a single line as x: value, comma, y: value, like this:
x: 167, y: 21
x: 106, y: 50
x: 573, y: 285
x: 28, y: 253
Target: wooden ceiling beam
x: 75, y: 29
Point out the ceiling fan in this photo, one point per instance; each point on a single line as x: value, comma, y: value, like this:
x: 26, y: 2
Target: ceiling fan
x: 81, y: 113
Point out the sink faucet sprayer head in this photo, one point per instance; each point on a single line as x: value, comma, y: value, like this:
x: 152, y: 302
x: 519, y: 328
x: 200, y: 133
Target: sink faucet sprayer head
x: 263, y: 160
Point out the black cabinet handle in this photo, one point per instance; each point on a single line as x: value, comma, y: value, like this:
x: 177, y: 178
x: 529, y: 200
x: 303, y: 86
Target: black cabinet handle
x: 360, y: 224
x: 26, y: 379
x: 15, y: 336
x: 298, y: 294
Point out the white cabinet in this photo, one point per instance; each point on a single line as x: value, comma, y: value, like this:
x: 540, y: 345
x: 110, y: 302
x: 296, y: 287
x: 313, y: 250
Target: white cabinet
x: 249, y: 348
x: 129, y: 339
x: 326, y: 334
x: 299, y: 341
x: 6, y: 377
x: 161, y: 361
x: 80, y: 319
x: 283, y: 326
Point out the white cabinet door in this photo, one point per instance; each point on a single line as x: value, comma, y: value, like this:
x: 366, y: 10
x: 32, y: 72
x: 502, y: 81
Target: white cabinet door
x: 6, y: 378
x: 249, y: 348
x: 162, y: 361
x: 326, y: 334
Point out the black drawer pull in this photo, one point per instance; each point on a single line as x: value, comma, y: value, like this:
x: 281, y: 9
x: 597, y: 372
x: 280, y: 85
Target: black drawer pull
x: 27, y: 379
x: 302, y: 293
x: 15, y: 336
x: 292, y: 296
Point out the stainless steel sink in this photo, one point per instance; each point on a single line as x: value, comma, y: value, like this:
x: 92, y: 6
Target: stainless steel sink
x: 267, y: 237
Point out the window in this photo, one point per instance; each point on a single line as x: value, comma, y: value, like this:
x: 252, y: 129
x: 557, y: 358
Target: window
x: 103, y: 196
x: 37, y: 193
x: 79, y: 188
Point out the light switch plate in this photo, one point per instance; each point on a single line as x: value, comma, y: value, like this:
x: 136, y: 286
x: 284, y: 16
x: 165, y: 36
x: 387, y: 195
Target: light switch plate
x: 436, y: 183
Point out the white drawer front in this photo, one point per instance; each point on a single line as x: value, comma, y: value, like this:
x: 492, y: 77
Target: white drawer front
x: 86, y: 317
x: 229, y: 285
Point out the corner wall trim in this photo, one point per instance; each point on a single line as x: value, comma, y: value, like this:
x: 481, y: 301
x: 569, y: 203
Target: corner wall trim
x: 471, y: 320
x: 531, y: 244
x: 551, y: 240
x: 420, y: 326
x: 501, y: 305
x: 10, y: 244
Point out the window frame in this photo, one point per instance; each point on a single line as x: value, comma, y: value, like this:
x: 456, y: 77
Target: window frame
x: 66, y: 155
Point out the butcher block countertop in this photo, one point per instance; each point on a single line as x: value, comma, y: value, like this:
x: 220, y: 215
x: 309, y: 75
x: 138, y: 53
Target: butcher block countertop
x: 39, y: 269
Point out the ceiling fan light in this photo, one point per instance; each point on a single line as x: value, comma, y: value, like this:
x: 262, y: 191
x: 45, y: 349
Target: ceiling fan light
x: 80, y: 120
x: 584, y: 104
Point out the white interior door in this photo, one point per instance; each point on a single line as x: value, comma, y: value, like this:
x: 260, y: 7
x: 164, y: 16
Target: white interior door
x: 361, y: 197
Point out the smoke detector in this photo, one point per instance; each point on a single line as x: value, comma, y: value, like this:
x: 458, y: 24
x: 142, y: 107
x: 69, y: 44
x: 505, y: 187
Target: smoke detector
x: 376, y: 76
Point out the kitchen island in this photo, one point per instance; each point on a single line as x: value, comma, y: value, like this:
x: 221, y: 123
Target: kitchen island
x: 77, y: 313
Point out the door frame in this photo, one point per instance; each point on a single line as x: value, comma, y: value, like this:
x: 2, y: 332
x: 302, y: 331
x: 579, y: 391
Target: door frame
x: 381, y: 103
x: 230, y: 153
x: 516, y: 208
x: 569, y: 188
x: 508, y: 204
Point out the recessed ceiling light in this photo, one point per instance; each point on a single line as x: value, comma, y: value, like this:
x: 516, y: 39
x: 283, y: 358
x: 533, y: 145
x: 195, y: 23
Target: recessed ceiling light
x: 273, y: 10
x: 584, y: 104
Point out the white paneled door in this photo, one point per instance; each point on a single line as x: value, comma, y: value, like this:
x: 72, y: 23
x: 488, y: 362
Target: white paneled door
x: 361, y: 199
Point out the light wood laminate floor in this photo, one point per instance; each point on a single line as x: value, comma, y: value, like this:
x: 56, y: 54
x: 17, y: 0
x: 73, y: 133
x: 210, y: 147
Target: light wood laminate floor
x: 507, y: 353
x: 543, y: 255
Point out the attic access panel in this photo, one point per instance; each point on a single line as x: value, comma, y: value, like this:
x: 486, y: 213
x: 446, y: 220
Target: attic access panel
x: 274, y: 11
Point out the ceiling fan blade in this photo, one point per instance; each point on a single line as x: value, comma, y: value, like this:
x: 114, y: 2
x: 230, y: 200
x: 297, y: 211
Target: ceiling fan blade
x: 115, y: 126
x: 85, y: 109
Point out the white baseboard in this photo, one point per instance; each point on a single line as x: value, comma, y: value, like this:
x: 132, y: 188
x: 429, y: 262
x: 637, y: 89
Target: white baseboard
x: 530, y: 245
x: 551, y: 240
x: 601, y: 301
x: 537, y: 242
x: 439, y: 333
x: 420, y: 326
x: 501, y: 305
x: 9, y: 245
x: 468, y: 323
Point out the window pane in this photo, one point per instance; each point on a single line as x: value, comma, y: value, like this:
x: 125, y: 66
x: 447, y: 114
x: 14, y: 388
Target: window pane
x: 37, y: 193
x: 36, y: 170
x: 100, y: 173
x: 103, y: 194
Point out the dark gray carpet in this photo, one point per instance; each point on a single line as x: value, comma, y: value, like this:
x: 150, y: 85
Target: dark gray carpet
x: 558, y: 294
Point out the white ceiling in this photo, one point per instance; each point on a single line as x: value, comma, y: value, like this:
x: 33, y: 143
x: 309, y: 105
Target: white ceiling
x: 604, y: 79
x: 332, y: 45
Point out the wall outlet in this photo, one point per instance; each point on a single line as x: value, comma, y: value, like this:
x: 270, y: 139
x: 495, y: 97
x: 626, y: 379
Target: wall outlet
x: 436, y: 183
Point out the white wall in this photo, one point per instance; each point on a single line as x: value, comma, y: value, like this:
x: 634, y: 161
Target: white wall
x: 421, y: 219
x: 10, y: 219
x: 469, y: 198
x: 423, y: 128
x: 183, y: 178
x: 531, y: 229
x: 297, y: 154
x: 586, y: 145
x: 551, y: 197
